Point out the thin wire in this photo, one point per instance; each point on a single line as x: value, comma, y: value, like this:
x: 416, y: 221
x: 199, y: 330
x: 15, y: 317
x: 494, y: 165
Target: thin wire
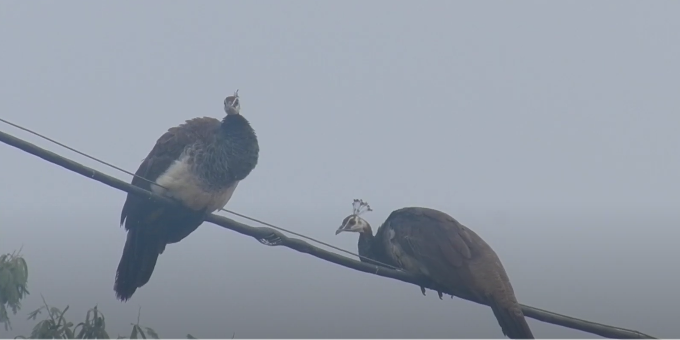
x: 221, y: 209
x: 70, y: 148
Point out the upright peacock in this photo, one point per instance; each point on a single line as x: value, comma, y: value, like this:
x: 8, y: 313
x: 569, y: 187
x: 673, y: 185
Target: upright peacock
x: 199, y: 164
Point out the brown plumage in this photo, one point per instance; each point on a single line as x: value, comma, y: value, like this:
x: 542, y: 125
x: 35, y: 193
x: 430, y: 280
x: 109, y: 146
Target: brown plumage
x: 199, y: 164
x: 432, y: 244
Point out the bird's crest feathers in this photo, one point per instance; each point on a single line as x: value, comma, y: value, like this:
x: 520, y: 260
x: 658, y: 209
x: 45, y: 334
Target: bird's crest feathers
x: 360, y: 207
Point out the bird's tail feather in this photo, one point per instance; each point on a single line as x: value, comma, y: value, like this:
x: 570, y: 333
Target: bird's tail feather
x: 512, y: 321
x: 136, y: 264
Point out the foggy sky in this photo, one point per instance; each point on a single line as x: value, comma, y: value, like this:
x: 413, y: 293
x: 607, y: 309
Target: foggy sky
x: 549, y: 128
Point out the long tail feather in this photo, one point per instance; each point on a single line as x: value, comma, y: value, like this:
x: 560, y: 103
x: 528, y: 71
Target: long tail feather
x: 136, y: 264
x: 512, y: 321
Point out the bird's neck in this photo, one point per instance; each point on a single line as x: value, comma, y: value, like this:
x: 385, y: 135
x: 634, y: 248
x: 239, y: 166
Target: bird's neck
x: 235, y: 124
x: 230, y: 156
x: 366, y: 246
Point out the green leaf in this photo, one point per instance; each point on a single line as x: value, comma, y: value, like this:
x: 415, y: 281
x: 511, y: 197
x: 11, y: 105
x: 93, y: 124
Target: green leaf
x: 134, y: 332
x: 141, y: 332
x: 152, y: 333
x: 69, y: 333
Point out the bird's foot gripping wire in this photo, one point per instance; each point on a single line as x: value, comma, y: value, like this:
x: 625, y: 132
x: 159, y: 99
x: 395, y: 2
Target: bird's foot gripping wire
x: 271, y: 240
x: 422, y: 290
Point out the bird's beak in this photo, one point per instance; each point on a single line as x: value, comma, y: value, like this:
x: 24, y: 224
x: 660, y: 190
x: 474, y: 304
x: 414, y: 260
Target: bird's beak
x: 341, y: 229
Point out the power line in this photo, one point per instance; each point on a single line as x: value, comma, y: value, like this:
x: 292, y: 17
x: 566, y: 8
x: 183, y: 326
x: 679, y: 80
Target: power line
x: 299, y: 245
x: 221, y: 209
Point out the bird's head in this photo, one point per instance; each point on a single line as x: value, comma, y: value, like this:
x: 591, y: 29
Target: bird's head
x: 354, y: 222
x: 232, y: 104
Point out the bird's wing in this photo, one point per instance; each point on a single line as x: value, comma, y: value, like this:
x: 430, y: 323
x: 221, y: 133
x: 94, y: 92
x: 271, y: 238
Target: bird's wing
x: 431, y: 237
x: 456, y: 257
x: 167, y: 149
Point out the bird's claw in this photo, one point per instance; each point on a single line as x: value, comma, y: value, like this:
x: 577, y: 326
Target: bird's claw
x: 271, y: 240
x: 422, y: 290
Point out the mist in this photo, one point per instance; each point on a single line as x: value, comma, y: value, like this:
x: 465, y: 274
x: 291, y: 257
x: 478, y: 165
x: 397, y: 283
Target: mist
x: 549, y: 128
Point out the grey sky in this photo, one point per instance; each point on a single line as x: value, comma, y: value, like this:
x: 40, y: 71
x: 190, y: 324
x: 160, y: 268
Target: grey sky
x: 549, y: 128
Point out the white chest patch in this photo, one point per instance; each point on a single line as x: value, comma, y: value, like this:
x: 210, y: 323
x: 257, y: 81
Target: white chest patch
x: 180, y: 183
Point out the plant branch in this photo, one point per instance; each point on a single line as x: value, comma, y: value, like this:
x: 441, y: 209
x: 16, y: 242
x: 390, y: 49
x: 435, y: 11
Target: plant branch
x: 270, y: 236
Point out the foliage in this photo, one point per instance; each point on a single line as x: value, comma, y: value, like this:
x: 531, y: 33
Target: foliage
x: 55, y: 326
x: 13, y: 283
x: 13, y: 280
